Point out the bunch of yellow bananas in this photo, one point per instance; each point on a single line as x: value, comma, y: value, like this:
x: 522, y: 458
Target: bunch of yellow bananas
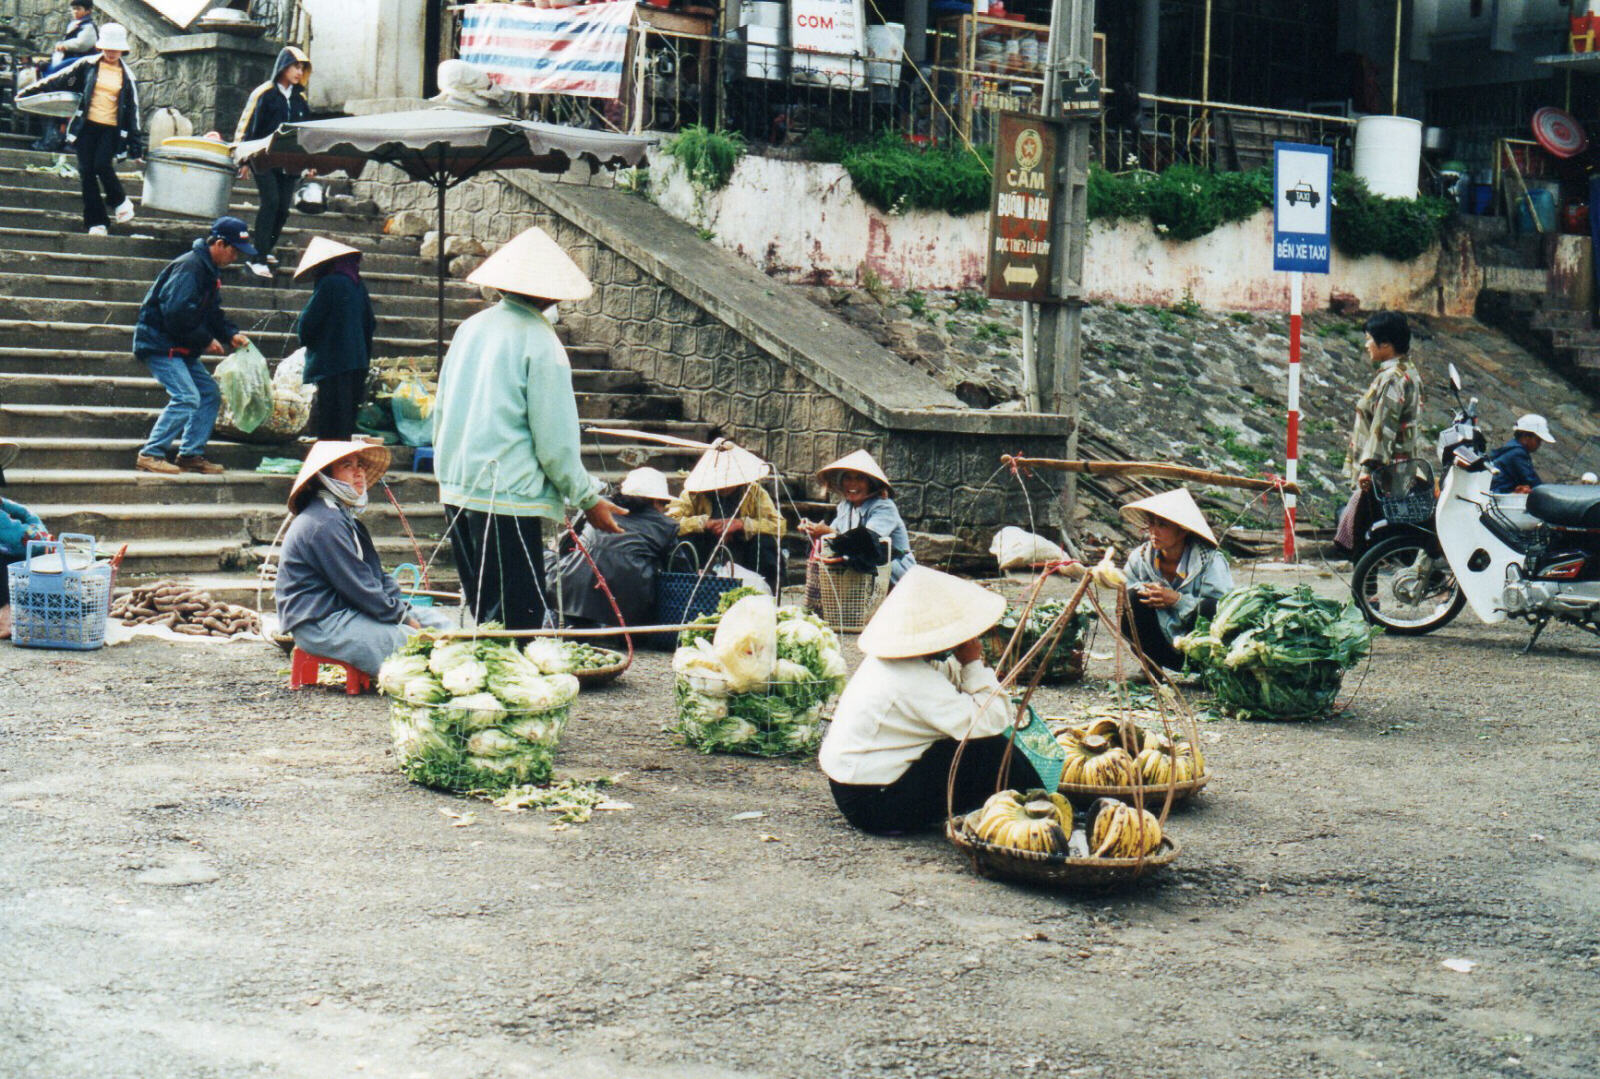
x: 1094, y: 760
x: 1037, y: 820
x: 1156, y: 760
x: 1120, y: 831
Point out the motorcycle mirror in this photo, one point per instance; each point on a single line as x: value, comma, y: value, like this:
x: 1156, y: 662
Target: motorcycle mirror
x: 1455, y: 378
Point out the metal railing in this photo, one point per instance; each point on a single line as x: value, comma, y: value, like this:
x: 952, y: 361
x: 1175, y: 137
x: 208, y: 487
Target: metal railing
x: 677, y: 79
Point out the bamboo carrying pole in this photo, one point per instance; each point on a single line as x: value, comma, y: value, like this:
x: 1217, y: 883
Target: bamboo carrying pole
x: 1152, y: 468
x: 598, y: 631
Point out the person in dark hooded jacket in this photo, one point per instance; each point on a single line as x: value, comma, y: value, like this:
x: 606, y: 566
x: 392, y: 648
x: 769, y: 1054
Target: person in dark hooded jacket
x: 180, y: 321
x: 278, y: 101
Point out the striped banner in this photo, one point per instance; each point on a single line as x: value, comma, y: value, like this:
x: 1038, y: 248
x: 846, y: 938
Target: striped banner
x: 572, y: 50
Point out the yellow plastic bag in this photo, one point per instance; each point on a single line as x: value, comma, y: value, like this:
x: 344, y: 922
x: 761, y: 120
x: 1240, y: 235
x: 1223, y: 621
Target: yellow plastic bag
x: 412, y: 404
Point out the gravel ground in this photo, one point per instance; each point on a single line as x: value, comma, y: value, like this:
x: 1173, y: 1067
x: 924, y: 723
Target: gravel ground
x: 207, y: 875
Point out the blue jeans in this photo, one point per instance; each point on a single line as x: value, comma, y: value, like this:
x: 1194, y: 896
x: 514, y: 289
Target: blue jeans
x: 193, y: 401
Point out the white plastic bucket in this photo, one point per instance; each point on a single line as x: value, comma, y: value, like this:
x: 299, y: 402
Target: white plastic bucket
x: 1388, y: 154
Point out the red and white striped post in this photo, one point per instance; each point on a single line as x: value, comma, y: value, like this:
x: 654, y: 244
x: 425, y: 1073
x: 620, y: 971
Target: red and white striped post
x: 1292, y: 453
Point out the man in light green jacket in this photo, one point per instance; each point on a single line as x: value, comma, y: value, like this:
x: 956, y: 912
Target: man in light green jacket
x: 505, y: 433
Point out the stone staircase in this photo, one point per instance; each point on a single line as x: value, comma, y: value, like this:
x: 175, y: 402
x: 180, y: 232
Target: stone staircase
x: 1518, y: 299
x: 77, y: 401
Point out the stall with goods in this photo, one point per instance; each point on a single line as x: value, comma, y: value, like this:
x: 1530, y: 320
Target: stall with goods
x: 590, y: 664
x: 755, y: 678
x: 1063, y: 666
x: 1276, y: 653
x: 182, y: 608
x: 1113, y: 750
x: 474, y: 713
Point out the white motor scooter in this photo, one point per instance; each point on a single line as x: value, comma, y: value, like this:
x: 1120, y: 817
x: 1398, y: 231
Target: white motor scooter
x: 1535, y: 557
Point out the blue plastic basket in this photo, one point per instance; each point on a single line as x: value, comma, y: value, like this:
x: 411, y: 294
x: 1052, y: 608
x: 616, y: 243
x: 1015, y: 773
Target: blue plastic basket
x: 63, y: 608
x: 683, y: 597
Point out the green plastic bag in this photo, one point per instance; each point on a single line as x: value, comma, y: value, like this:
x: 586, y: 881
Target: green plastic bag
x: 246, y: 387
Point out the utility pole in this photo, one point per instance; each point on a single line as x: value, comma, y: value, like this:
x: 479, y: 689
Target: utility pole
x: 1071, y: 93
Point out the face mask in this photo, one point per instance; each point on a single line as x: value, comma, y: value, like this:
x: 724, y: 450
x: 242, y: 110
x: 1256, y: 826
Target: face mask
x: 344, y: 492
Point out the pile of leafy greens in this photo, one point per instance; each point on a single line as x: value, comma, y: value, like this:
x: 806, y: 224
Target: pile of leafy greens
x: 473, y: 715
x: 1065, y: 664
x: 1274, y: 653
x: 780, y: 712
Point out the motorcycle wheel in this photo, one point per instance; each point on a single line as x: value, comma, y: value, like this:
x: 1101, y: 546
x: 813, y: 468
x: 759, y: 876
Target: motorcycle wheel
x: 1390, y: 587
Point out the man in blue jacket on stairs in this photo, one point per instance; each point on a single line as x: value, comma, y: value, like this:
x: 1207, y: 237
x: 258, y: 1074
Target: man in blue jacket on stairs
x: 180, y: 321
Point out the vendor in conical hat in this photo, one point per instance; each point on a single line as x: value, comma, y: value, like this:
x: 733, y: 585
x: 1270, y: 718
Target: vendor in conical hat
x: 922, y: 688
x: 336, y: 329
x: 626, y: 562
x: 1175, y: 576
x: 505, y: 433
x: 333, y: 594
x: 724, y: 506
x: 866, y: 517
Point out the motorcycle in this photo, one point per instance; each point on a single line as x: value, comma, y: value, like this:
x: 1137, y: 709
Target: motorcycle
x: 1533, y: 556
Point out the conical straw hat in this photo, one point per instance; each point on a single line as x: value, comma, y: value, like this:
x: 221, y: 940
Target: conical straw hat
x: 929, y: 611
x: 374, y: 462
x: 860, y: 461
x: 532, y: 264
x: 320, y: 250
x: 1178, y: 507
x: 724, y: 465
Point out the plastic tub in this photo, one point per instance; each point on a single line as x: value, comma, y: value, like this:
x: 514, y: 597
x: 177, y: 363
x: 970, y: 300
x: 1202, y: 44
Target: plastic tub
x: 1388, y: 154
x: 187, y: 184
x: 1544, y: 206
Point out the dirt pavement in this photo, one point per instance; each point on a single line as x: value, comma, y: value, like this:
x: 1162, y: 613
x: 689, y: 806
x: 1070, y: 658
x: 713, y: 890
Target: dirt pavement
x: 206, y: 875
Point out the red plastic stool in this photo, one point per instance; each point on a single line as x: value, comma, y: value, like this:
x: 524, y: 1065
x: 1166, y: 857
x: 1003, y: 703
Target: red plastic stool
x: 303, y: 672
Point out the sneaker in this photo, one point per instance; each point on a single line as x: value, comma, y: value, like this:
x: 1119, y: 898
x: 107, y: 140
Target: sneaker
x: 156, y: 464
x: 99, y: 230
x: 260, y: 269
x: 198, y: 464
x: 124, y: 213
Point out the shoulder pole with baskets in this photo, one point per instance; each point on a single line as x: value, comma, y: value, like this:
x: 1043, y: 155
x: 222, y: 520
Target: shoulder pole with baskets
x: 844, y: 598
x: 1060, y: 868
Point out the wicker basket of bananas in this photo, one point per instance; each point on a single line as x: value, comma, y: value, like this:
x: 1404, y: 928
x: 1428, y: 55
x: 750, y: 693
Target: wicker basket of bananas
x: 1031, y: 836
x: 1127, y: 759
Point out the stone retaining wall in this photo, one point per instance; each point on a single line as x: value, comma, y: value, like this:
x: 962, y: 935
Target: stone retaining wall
x: 761, y: 364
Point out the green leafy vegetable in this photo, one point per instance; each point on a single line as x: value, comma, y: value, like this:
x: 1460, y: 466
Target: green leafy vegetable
x: 1272, y: 653
x: 1066, y: 662
x: 501, y: 732
x: 782, y: 717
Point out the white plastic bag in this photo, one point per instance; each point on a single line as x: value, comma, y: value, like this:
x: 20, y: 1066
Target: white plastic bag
x: 746, y: 643
x: 747, y: 578
x: 1015, y: 548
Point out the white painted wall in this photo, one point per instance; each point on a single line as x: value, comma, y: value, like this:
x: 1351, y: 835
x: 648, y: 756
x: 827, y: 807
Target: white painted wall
x: 363, y: 49
x: 803, y: 222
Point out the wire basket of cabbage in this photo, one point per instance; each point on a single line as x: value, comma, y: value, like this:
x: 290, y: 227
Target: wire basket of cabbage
x: 759, y: 683
x: 473, y: 714
x: 1065, y: 664
x: 1275, y: 653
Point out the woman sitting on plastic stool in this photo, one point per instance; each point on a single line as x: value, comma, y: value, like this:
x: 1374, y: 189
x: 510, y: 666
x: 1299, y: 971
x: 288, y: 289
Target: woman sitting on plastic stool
x: 332, y: 592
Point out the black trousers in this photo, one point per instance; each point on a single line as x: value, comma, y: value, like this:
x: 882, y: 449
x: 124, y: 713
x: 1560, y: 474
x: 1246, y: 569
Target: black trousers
x: 333, y: 409
x: 1153, y: 641
x: 97, y: 153
x: 501, y: 562
x: 917, y: 800
x: 276, y: 188
x: 756, y: 553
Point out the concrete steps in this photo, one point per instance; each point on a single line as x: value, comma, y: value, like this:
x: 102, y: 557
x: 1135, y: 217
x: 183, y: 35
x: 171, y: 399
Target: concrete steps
x: 47, y: 199
x: 80, y: 405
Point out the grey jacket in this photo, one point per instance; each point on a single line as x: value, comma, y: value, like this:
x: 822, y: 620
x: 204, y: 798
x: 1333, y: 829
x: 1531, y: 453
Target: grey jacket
x: 330, y: 564
x: 1203, y: 573
x: 629, y: 560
